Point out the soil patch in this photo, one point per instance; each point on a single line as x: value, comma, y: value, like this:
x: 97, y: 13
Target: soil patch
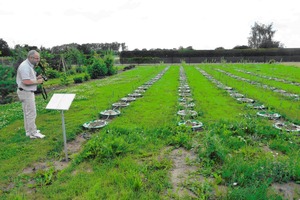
x: 290, y: 190
x: 181, y: 170
x: 73, y: 147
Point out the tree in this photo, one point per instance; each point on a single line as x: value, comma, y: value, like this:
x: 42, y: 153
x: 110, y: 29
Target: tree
x: 124, y: 47
x: 261, y: 36
x: 74, y: 56
x: 4, y: 48
x: 19, y: 53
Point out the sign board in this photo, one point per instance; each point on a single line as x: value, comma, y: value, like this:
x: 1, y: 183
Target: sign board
x: 60, y: 101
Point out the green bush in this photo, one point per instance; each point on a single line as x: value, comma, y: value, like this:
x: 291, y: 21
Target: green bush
x: 80, y: 69
x: 97, y: 68
x: 78, y: 79
x: 109, y: 62
x: 7, y: 84
x: 64, y: 79
x: 71, y: 72
x: 52, y: 73
x: 86, y: 77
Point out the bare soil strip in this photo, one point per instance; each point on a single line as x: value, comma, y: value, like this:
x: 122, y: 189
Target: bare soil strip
x: 181, y: 170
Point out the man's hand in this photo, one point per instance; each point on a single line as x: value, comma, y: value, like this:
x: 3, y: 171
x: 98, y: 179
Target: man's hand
x: 40, y: 80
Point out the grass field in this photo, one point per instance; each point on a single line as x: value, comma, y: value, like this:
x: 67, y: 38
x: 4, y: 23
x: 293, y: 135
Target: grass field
x: 144, y: 154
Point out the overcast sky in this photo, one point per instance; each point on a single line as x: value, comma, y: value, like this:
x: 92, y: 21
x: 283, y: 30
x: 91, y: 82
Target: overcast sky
x: 147, y: 23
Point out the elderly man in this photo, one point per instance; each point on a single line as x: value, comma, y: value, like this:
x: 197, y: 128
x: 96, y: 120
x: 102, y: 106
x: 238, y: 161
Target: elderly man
x: 27, y: 84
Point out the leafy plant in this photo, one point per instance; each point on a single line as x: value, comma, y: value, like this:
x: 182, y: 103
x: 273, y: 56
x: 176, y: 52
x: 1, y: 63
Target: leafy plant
x: 109, y: 62
x: 97, y: 68
x: 213, y: 151
x: 108, y: 146
x: 64, y: 80
x: 44, y: 178
x: 52, y: 73
x: 86, y: 77
x: 78, y: 79
x: 182, y: 137
x: 7, y: 84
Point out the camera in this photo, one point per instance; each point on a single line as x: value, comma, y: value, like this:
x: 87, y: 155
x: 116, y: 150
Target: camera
x: 45, y: 78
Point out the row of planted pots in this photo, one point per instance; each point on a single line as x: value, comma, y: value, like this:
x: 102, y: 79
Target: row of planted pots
x: 274, y: 89
x: 279, y: 121
x: 186, y: 104
x: 270, y: 78
x: 107, y: 115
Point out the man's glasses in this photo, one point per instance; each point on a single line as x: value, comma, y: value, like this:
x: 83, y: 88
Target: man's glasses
x: 36, y: 58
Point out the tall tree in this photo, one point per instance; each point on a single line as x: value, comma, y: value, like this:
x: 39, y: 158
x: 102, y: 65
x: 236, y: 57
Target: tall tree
x: 261, y: 36
x: 4, y: 48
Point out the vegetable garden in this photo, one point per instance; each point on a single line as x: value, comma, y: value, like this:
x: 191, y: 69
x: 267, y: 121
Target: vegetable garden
x: 203, y: 131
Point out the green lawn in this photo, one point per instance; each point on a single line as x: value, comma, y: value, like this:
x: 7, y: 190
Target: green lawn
x: 130, y: 157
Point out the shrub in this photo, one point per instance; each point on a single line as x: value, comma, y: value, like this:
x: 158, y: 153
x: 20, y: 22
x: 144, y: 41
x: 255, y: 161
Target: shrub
x: 71, y: 72
x: 7, y: 84
x: 64, y: 79
x: 86, y: 77
x: 128, y: 67
x: 52, y: 73
x: 97, y: 69
x: 78, y: 79
x: 80, y: 69
x: 109, y: 62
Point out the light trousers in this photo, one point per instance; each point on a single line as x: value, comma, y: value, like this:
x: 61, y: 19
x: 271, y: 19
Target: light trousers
x: 29, y: 111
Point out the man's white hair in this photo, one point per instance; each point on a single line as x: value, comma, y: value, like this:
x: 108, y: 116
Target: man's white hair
x: 31, y: 52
